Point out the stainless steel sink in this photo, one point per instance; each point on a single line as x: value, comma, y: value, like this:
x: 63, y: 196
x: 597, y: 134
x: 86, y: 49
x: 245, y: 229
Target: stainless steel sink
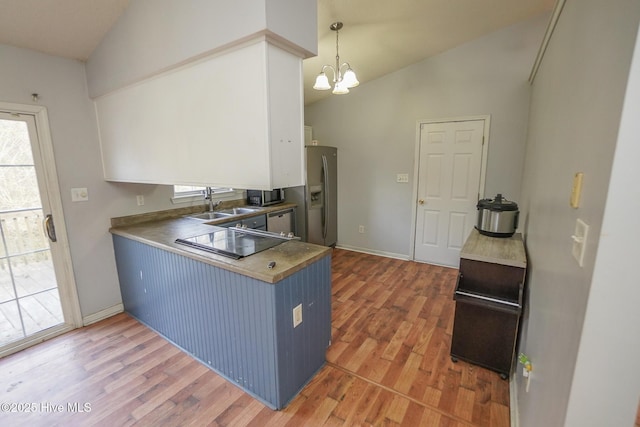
x: 237, y: 211
x: 211, y: 215
x: 223, y: 213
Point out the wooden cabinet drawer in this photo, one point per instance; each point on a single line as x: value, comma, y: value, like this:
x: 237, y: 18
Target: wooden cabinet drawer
x: 495, y: 280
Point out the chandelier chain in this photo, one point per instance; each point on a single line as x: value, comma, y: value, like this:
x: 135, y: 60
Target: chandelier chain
x: 337, y: 53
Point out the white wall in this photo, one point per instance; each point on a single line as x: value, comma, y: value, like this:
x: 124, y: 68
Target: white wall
x: 295, y: 20
x: 576, y: 103
x: 374, y: 128
x: 156, y: 35
x: 61, y: 85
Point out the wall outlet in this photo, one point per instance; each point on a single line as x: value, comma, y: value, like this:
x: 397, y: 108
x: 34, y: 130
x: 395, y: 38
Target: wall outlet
x: 297, y: 315
x: 361, y: 229
x: 140, y: 200
x: 79, y: 195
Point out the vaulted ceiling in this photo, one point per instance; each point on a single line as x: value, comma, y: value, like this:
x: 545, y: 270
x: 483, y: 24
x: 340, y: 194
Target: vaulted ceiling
x: 378, y: 37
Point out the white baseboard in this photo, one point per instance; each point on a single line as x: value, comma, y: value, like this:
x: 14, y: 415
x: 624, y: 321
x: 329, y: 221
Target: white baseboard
x: 513, y: 402
x: 102, y: 314
x: 372, y: 252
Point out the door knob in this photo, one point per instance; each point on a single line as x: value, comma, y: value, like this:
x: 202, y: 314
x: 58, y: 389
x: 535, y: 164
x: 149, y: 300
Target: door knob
x: 421, y: 202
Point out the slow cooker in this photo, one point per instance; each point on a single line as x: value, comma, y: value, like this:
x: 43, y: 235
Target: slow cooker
x: 497, y: 217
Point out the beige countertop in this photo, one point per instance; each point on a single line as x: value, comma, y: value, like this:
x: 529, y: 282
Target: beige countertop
x: 162, y: 230
x: 498, y: 250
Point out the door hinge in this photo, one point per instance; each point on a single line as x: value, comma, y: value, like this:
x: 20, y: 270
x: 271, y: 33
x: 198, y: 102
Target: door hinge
x: 482, y: 139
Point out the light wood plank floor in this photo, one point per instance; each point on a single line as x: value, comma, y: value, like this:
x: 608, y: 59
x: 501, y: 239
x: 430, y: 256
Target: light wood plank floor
x: 388, y: 365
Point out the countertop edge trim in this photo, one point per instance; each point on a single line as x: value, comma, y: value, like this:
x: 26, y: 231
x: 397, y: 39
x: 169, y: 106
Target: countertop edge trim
x: 272, y: 279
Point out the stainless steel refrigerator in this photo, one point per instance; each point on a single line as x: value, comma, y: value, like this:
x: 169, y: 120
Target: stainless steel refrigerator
x: 317, y: 200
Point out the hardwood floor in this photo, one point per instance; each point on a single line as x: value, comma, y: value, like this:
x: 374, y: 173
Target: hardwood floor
x: 388, y: 365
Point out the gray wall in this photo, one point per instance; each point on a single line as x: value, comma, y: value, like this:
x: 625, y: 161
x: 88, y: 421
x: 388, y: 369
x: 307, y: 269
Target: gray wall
x: 612, y: 320
x: 61, y: 84
x: 374, y: 128
x: 155, y: 35
x: 576, y: 104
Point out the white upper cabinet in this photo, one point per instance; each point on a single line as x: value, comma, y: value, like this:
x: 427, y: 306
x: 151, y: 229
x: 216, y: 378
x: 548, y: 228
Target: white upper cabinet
x: 234, y: 119
x: 204, y: 93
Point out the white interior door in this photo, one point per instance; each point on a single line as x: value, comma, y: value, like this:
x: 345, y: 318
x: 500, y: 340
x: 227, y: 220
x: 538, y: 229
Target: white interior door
x: 449, y: 177
x: 32, y: 240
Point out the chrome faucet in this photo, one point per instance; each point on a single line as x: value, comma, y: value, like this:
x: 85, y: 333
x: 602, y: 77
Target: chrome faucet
x: 209, y: 196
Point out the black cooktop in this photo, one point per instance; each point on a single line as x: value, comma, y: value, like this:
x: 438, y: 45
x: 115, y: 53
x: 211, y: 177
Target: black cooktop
x: 232, y: 242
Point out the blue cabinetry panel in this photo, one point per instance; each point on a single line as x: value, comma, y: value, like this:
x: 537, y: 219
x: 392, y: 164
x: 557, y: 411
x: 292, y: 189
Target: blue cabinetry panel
x: 239, y: 326
x: 302, y: 350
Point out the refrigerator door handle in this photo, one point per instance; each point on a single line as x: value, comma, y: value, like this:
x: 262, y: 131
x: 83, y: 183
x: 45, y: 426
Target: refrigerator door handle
x: 325, y: 192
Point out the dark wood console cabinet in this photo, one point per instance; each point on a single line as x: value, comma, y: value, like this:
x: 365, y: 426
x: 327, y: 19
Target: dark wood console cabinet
x: 489, y: 299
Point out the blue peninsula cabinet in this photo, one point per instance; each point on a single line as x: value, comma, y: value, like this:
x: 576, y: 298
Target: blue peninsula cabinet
x: 239, y: 326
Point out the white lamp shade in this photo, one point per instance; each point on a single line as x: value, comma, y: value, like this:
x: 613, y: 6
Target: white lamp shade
x: 322, y: 82
x: 340, y: 88
x: 350, y: 80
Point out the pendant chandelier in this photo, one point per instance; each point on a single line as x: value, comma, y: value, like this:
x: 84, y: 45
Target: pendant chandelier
x: 342, y: 81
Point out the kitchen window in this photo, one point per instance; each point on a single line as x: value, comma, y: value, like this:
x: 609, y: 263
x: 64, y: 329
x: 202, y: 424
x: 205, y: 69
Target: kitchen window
x: 190, y: 193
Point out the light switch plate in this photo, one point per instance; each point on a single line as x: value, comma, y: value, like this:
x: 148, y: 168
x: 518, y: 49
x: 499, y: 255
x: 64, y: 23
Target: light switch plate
x: 402, y: 177
x: 580, y: 241
x: 79, y: 195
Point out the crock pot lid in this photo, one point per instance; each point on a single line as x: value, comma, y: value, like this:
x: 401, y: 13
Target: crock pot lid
x: 498, y: 203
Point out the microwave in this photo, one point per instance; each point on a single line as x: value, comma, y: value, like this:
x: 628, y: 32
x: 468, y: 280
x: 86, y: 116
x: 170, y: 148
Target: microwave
x: 265, y: 198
